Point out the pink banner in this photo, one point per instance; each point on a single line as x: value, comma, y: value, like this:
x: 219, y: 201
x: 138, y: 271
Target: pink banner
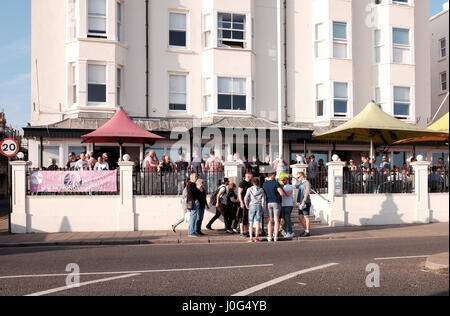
x: 73, y: 181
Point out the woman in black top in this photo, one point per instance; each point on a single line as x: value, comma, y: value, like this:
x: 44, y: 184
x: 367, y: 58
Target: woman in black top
x: 232, y: 208
x: 202, y: 205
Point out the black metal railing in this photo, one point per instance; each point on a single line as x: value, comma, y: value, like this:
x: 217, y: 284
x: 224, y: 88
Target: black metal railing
x: 377, y: 182
x: 319, y: 181
x: 91, y: 193
x: 152, y: 183
x: 438, y: 180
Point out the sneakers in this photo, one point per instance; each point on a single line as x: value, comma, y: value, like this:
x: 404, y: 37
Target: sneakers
x: 257, y: 240
x: 305, y: 234
x: 209, y: 228
x: 289, y: 236
x: 269, y: 239
x: 275, y: 239
x: 235, y: 231
x: 194, y: 235
x: 230, y: 232
x: 251, y: 240
x: 200, y: 233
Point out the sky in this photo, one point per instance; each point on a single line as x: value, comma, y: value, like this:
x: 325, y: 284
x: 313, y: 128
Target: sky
x: 15, y: 58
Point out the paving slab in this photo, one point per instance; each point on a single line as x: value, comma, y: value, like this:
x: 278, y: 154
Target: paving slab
x: 438, y: 262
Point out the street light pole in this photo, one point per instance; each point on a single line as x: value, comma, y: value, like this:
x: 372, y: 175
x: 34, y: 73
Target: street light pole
x: 280, y: 168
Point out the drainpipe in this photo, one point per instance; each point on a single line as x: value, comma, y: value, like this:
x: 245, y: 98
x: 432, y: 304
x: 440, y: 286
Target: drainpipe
x: 147, y: 61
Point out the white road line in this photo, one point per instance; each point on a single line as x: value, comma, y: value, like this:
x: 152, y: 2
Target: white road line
x: 399, y: 258
x: 64, y: 288
x: 282, y: 279
x: 140, y: 272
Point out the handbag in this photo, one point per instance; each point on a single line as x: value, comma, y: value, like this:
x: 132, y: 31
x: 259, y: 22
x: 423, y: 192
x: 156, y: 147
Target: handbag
x: 187, y: 216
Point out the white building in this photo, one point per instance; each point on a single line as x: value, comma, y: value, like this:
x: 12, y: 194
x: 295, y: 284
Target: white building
x: 439, y: 63
x: 170, y: 62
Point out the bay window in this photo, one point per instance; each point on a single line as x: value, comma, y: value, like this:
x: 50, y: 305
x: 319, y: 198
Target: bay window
x: 97, y: 18
x: 177, y: 93
x: 232, y: 94
x: 231, y: 30
x: 402, y: 102
x: 96, y: 83
x: 401, y: 46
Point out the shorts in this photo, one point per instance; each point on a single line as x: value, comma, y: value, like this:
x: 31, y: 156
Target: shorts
x: 274, y: 209
x: 255, y: 213
x: 306, y: 211
x: 242, y: 216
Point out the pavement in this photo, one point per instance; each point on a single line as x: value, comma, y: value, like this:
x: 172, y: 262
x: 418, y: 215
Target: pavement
x: 319, y: 232
x: 438, y: 262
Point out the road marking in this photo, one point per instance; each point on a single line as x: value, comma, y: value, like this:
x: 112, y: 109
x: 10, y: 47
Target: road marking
x: 398, y: 258
x: 282, y: 279
x: 64, y: 288
x: 132, y: 272
x: 304, y: 284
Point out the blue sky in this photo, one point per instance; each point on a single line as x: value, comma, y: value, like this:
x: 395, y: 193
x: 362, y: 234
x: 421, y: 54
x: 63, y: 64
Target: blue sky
x: 15, y: 58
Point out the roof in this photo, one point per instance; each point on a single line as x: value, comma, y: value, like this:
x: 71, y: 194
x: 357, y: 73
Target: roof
x: 374, y: 123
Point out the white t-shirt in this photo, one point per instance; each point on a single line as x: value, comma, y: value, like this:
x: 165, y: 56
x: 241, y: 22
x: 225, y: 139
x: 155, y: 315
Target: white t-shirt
x: 101, y: 166
x: 288, y: 200
x: 82, y: 165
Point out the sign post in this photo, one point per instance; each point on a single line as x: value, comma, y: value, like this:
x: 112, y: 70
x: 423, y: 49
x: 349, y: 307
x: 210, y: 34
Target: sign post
x: 9, y: 147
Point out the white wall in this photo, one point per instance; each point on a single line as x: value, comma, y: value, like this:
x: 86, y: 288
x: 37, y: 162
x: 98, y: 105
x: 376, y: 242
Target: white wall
x: 439, y: 207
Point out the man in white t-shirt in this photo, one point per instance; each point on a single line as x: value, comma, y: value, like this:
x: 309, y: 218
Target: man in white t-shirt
x: 82, y: 164
x: 101, y: 165
x: 287, y: 207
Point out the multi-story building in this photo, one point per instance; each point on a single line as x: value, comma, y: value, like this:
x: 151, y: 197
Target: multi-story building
x: 439, y: 63
x: 177, y: 62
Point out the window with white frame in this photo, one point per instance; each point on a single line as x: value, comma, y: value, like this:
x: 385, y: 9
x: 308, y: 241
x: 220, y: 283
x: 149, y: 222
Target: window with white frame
x: 443, y: 47
x: 378, y: 46
x: 119, y: 87
x: 401, y: 46
x: 119, y: 21
x: 178, y: 29
x: 74, y: 83
x: 48, y: 154
x: 340, y: 99
x: 340, y: 40
x: 443, y: 76
x: 402, y: 102
x: 72, y: 20
x: 320, y: 100
x: 207, y: 30
x: 97, y: 18
x: 231, y: 30
x: 96, y: 83
x: 177, y: 92
x: 232, y: 94
x: 207, y: 94
x: 320, y: 46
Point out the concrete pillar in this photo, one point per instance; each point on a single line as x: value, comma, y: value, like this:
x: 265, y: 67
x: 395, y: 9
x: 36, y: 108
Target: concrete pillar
x: 337, y: 216
x: 233, y: 171
x: 20, y: 217
x: 422, y: 210
x: 296, y: 169
x: 126, y: 213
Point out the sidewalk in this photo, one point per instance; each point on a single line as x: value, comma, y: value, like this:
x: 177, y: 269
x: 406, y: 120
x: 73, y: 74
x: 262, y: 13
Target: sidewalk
x: 319, y: 232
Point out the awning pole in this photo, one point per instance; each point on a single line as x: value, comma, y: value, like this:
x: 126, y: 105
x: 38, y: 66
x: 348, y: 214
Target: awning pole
x: 371, y: 150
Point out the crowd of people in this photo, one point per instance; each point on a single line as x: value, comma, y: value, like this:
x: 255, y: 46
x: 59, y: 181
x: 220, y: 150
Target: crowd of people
x: 83, y: 162
x: 243, y: 207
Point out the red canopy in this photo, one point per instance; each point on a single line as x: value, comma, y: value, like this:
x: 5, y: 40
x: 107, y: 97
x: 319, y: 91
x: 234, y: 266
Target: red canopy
x: 121, y: 129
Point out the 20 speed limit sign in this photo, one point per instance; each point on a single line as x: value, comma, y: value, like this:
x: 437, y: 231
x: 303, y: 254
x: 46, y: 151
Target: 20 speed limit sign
x: 9, y: 147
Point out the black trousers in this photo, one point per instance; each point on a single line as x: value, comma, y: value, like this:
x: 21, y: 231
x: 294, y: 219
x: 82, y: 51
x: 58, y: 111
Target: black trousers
x: 220, y: 211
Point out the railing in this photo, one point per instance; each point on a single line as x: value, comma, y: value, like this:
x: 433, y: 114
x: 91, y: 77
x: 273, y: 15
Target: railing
x: 377, y: 182
x: 153, y: 183
x: 438, y: 180
x: 319, y: 181
x: 91, y: 193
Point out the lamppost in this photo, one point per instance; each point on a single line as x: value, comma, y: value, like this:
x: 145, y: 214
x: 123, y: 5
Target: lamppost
x: 280, y: 168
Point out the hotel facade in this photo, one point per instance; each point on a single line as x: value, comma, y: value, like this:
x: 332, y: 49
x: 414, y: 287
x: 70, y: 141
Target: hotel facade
x: 213, y: 63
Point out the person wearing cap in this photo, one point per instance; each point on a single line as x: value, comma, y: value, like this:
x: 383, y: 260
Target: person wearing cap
x: 221, y: 206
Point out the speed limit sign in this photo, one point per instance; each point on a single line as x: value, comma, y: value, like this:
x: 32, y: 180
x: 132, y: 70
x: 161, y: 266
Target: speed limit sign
x: 9, y: 147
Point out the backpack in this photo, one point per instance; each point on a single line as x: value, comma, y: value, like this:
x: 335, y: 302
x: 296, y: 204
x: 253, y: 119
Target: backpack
x: 213, y: 199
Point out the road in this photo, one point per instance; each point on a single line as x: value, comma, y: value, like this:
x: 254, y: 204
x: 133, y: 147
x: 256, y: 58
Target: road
x: 320, y: 267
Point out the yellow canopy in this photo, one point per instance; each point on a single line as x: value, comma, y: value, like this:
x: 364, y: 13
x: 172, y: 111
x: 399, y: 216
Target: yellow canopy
x: 373, y: 124
x: 439, y: 126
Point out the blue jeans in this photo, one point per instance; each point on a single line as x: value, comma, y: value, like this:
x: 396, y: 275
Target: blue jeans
x: 200, y: 215
x: 287, y: 215
x: 193, y: 218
